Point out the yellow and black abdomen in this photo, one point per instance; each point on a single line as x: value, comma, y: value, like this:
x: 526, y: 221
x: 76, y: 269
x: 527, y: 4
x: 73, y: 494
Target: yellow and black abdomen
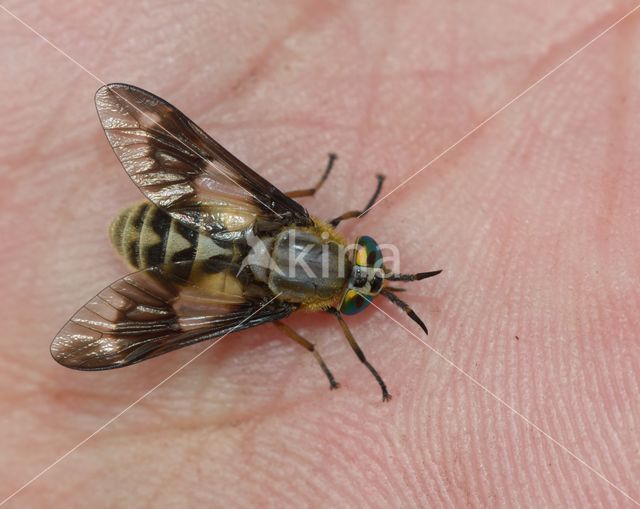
x: 145, y: 236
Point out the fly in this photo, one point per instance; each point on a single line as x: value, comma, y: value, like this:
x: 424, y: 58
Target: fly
x: 215, y: 249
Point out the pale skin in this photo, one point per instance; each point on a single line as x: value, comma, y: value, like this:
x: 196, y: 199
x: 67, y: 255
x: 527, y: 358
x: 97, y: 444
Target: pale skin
x: 534, y: 220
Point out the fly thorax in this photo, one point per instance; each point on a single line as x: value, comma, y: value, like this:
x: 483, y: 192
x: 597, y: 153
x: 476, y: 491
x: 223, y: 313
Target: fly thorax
x: 305, y: 267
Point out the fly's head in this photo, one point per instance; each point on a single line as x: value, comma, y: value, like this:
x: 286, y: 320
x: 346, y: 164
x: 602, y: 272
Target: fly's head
x: 367, y: 276
x: 368, y: 279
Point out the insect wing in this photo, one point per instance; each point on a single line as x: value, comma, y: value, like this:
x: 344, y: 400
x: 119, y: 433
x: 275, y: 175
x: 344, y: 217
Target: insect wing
x: 185, y: 172
x: 152, y: 312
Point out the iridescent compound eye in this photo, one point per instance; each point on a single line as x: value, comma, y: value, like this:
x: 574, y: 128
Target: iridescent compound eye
x: 354, y: 302
x: 368, y: 252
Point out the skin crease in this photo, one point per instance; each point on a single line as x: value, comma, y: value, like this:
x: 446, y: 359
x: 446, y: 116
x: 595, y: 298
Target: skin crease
x: 534, y: 219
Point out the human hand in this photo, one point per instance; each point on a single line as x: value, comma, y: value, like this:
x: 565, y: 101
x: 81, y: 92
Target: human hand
x: 533, y: 218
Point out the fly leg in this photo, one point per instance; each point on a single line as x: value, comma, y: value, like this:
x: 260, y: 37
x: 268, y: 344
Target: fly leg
x: 356, y: 348
x: 311, y: 191
x: 309, y: 346
x: 359, y: 213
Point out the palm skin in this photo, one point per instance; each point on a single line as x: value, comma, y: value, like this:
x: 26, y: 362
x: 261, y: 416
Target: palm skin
x: 533, y: 217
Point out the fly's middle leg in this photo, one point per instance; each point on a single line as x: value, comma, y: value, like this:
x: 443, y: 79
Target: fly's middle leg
x: 312, y: 190
x: 311, y: 347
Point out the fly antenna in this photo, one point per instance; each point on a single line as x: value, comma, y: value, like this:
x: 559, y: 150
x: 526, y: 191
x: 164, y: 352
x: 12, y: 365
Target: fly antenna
x: 405, y: 307
x: 412, y: 277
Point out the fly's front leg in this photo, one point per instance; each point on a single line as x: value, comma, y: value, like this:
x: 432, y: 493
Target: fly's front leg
x: 311, y: 191
x: 359, y: 213
x: 356, y: 348
x: 311, y: 347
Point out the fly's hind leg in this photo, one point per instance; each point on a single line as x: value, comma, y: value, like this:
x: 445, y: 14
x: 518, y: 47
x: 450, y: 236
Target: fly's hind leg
x: 311, y: 347
x: 311, y: 191
x: 359, y: 213
x: 356, y: 348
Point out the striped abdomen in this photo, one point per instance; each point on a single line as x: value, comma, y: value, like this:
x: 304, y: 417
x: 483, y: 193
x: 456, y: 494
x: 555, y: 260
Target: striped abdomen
x: 146, y: 236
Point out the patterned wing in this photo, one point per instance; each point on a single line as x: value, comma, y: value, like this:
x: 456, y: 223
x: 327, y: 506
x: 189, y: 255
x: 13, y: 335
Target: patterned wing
x: 152, y: 312
x: 185, y: 172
